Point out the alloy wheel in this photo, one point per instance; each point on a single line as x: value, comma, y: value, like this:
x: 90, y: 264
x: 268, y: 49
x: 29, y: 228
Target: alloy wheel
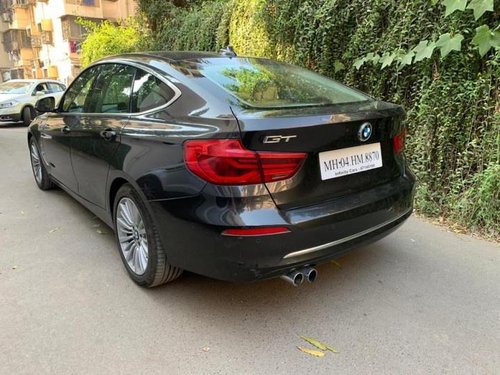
x: 36, y: 163
x: 132, y: 235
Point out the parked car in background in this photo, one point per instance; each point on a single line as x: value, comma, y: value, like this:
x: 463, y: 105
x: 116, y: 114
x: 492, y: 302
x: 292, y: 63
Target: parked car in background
x: 19, y: 96
x: 235, y: 168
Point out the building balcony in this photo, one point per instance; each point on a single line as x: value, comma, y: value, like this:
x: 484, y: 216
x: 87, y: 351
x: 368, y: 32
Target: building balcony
x: 22, y: 57
x: 20, y: 3
x: 17, y: 17
x: 14, y: 40
x: 83, y: 8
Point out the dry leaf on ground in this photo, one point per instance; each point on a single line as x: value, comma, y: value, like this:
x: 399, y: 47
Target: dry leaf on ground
x: 314, y: 342
x: 319, y: 344
x: 314, y: 353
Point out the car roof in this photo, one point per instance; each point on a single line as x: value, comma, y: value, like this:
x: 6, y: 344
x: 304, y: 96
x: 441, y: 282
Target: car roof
x: 34, y: 80
x: 170, y: 56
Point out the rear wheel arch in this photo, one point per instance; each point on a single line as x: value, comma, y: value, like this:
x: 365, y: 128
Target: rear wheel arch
x: 113, y: 189
x: 118, y: 178
x: 157, y: 271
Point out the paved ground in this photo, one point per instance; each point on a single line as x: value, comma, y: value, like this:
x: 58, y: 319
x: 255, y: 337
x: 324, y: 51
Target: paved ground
x: 420, y: 301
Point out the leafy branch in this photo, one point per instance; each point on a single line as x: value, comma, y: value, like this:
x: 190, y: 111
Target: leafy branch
x: 484, y: 39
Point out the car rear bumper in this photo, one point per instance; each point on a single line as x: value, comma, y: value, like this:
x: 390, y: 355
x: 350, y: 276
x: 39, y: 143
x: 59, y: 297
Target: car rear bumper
x: 317, y: 233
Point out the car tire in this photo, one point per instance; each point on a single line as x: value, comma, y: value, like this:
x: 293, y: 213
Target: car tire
x: 139, y: 242
x: 40, y: 173
x: 27, y: 116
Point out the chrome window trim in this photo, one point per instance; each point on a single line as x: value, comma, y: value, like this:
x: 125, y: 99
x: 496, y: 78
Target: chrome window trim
x: 344, y: 239
x: 177, y: 92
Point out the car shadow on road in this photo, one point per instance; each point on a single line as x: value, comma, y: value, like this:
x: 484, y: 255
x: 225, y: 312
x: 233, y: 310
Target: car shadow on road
x: 227, y: 303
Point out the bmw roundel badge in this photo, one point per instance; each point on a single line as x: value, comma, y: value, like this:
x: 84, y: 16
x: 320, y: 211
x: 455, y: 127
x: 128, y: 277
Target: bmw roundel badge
x: 365, y: 132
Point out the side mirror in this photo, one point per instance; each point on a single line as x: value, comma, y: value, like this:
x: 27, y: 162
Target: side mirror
x: 46, y: 105
x: 39, y: 93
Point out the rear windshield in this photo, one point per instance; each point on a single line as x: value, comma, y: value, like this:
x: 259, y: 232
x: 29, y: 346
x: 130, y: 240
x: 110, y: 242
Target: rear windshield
x: 262, y: 83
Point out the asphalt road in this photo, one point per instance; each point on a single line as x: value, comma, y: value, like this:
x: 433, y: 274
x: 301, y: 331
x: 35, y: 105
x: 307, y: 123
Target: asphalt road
x: 421, y: 301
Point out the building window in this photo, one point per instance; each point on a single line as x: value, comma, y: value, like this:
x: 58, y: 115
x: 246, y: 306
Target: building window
x: 14, y: 40
x: 72, y: 30
x: 87, y: 3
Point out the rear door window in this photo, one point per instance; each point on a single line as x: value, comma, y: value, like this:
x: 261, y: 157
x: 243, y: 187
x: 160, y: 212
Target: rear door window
x: 149, y: 92
x: 113, y: 89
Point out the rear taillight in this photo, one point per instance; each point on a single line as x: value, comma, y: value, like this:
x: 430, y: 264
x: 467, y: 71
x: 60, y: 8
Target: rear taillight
x: 398, y: 142
x: 227, y: 162
x: 251, y: 232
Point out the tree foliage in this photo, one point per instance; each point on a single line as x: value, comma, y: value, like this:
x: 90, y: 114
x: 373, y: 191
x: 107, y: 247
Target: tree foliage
x: 438, y: 58
x: 105, y: 39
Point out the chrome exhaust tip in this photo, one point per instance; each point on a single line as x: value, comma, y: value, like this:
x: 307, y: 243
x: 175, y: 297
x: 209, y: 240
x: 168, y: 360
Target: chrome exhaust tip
x: 295, y: 278
x: 310, y: 274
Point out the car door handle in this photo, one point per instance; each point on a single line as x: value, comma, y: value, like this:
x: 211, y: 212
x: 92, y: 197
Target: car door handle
x: 108, y: 134
x: 66, y: 129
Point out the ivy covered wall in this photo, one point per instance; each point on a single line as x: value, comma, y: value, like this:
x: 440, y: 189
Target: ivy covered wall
x: 437, y: 71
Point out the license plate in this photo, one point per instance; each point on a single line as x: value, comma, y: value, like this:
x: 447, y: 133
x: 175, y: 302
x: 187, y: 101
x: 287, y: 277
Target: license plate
x: 346, y: 161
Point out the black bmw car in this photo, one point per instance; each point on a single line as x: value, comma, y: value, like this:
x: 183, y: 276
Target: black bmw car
x: 231, y: 167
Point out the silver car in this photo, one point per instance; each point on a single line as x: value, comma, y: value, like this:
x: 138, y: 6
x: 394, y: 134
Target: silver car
x: 19, y: 96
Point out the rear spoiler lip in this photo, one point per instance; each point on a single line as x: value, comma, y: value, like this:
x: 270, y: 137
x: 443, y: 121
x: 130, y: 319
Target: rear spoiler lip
x: 304, y: 117
x: 384, y: 109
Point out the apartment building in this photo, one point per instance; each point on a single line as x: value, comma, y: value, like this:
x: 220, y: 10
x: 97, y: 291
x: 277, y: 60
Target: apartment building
x: 42, y: 37
x: 5, y: 62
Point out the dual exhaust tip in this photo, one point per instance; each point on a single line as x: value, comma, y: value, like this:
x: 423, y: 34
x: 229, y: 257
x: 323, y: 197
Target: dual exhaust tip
x: 298, y: 276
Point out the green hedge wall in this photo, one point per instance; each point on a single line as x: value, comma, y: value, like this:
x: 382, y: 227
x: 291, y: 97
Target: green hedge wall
x: 452, y: 102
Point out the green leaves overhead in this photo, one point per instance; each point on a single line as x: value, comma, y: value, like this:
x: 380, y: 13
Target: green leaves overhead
x: 486, y: 39
x: 338, y: 66
x: 407, y: 59
x: 447, y: 43
x: 387, y: 59
x: 480, y: 7
x: 373, y: 57
x: 424, y: 50
x: 483, y: 40
x: 453, y: 5
x: 359, y: 63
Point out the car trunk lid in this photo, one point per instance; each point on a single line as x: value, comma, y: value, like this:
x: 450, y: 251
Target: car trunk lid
x: 328, y: 135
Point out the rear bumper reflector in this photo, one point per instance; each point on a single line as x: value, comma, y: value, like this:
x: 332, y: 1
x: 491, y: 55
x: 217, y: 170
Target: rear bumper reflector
x: 252, y: 232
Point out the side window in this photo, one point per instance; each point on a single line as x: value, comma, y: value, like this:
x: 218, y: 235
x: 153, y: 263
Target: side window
x: 41, y: 87
x: 77, y: 98
x: 149, y: 92
x: 113, y: 89
x: 55, y: 87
